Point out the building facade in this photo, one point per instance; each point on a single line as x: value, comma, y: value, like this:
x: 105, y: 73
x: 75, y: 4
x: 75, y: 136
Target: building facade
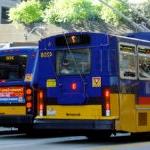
x: 5, y: 5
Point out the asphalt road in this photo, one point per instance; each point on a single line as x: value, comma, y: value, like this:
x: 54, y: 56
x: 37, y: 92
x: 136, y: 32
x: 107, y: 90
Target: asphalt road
x: 23, y: 142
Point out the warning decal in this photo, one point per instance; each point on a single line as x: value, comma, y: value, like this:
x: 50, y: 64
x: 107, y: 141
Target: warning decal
x: 51, y: 83
x: 96, y: 81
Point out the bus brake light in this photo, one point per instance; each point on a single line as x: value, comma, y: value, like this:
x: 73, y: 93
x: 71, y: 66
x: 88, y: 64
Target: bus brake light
x: 40, y: 96
x: 28, y: 91
x: 107, y: 93
x: 107, y: 101
x: 74, y: 86
x: 28, y: 105
x: 29, y: 98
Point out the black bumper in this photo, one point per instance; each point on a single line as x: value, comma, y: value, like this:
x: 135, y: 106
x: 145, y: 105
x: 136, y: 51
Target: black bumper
x: 74, y: 124
x: 15, y: 120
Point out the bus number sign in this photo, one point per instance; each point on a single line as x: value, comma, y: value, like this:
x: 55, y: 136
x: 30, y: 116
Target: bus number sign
x: 45, y: 54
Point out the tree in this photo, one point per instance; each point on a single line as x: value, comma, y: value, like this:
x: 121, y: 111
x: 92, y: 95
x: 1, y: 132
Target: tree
x: 109, y: 16
x: 26, y: 13
x: 77, y: 12
x: 72, y: 11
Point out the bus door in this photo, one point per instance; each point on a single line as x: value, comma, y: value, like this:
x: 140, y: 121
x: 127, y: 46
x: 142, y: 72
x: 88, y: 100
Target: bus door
x: 73, y: 67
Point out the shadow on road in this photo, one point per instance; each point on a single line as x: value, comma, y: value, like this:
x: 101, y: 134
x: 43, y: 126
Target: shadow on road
x: 60, y: 138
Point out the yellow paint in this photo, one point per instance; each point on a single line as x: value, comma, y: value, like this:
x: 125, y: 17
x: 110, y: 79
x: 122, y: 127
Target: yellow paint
x: 127, y: 118
x: 51, y: 83
x: 74, y: 112
x: 129, y: 115
x: 114, y: 104
x: 146, y: 110
x: 86, y: 112
x: 12, y: 110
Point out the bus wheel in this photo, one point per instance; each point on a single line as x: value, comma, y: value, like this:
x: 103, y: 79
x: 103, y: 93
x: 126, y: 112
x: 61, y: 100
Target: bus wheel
x: 99, y: 135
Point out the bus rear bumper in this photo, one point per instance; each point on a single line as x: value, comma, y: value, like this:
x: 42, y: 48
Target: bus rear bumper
x: 15, y: 120
x: 74, y: 124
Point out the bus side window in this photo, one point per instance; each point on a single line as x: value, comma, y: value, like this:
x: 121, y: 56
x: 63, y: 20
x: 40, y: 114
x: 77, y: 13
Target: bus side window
x: 144, y: 67
x: 128, y: 63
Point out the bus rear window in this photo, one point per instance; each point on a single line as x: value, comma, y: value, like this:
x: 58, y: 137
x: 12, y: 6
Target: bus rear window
x: 73, y: 62
x: 12, y: 68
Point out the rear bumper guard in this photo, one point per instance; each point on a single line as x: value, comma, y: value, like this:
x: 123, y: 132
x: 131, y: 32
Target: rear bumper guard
x: 74, y: 124
x: 15, y: 120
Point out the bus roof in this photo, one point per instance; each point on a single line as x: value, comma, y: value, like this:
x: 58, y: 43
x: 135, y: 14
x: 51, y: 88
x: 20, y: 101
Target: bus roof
x: 140, y: 35
x: 19, y: 48
x: 44, y: 43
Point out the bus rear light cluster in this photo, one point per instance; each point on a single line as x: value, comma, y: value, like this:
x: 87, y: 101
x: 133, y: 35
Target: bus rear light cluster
x: 29, y: 98
x: 40, y: 99
x: 107, y: 102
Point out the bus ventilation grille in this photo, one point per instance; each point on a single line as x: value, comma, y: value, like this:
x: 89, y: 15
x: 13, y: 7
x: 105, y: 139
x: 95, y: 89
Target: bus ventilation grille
x: 142, y: 119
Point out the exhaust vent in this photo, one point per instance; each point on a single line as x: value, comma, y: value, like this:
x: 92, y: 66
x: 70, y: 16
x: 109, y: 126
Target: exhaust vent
x: 142, y: 119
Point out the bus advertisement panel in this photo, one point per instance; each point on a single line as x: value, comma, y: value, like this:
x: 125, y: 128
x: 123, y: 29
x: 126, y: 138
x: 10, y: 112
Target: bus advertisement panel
x: 12, y: 95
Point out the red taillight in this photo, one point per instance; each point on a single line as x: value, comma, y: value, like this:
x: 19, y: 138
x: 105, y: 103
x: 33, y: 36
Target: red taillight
x: 28, y: 91
x: 41, y: 94
x: 107, y: 101
x: 74, y: 86
x: 29, y: 99
x: 40, y: 98
x: 29, y: 105
x: 41, y: 106
x: 107, y: 93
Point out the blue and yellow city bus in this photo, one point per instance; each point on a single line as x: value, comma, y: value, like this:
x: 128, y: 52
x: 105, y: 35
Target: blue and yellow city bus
x: 94, y: 83
x: 17, y: 94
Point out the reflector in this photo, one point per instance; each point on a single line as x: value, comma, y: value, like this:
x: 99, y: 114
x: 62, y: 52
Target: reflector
x: 74, y: 86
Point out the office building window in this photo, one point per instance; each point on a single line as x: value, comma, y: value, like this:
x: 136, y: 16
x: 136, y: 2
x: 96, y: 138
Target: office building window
x: 4, y: 15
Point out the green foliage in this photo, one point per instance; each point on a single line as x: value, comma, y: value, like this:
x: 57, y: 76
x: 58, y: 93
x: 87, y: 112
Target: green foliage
x: 72, y: 11
x: 75, y: 12
x: 111, y: 17
x: 26, y: 12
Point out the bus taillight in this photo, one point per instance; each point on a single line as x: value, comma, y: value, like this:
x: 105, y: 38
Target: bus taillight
x: 74, y: 86
x: 40, y: 98
x: 107, y: 101
x: 29, y: 98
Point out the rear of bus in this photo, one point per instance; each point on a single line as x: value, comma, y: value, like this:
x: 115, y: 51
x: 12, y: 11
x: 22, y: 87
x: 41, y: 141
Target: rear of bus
x: 75, y: 83
x: 17, y: 67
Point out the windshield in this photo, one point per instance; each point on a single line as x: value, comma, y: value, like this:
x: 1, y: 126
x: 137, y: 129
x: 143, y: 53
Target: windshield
x: 12, y: 67
x: 72, y: 62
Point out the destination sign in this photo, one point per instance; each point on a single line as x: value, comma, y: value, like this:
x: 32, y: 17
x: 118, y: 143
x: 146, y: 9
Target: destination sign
x: 127, y: 48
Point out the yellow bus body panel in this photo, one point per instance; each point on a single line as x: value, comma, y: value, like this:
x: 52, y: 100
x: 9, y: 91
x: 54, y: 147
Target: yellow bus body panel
x: 114, y: 105
x: 12, y: 110
x: 82, y: 112
x: 127, y: 118
x: 74, y: 112
x: 133, y: 118
x: 143, y: 118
